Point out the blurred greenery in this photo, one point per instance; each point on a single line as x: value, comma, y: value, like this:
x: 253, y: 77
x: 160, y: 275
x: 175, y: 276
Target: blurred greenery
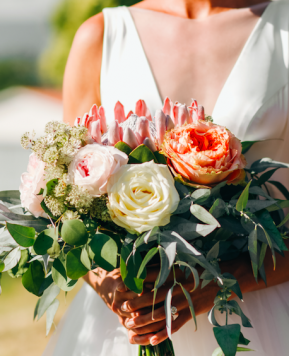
x: 19, y: 334
x: 18, y: 72
x: 68, y: 17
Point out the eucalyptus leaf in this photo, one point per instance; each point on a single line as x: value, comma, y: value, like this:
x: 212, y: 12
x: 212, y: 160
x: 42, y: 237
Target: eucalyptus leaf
x: 193, y: 271
x: 33, y: 278
x: 281, y: 204
x: 10, y: 196
x: 191, y: 306
x: 75, y: 269
x: 105, y: 251
x: 227, y: 337
x: 24, y: 236
x: 243, y: 200
x: 184, y: 206
x: 214, y: 252
x: 281, y: 188
x: 12, y: 259
x: 264, y: 177
x: 151, y: 253
x: 203, y: 215
x: 235, y: 308
x: 200, y: 196
x: 165, y: 267
x: 47, y: 243
x: 36, y: 309
x: 218, y: 209
x: 50, y: 314
x: 37, y: 224
x: 246, y: 145
x: 47, y: 298
x: 84, y: 258
x: 253, y: 251
x: 262, y: 164
x: 74, y: 232
x: 59, y: 274
x: 168, y: 313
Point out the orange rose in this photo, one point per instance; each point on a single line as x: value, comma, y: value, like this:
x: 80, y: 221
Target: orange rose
x: 205, y: 153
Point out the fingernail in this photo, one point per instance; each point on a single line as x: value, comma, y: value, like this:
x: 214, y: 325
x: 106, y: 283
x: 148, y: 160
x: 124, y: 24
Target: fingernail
x: 154, y: 341
x: 124, y: 307
x: 130, y: 324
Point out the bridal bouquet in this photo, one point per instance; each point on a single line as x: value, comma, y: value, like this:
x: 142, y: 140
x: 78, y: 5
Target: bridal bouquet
x: 173, y: 190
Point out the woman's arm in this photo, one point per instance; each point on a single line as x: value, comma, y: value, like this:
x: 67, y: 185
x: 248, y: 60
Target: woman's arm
x: 81, y: 85
x: 202, y: 298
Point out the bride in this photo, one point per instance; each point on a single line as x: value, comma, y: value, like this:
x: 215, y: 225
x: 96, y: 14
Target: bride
x: 233, y: 57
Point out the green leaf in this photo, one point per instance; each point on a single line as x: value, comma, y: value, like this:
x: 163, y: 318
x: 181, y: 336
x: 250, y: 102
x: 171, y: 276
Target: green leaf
x: 281, y: 188
x: 2, y: 266
x: 50, y: 314
x: 160, y: 158
x: 74, y: 232
x: 246, y: 145
x: 235, y: 308
x: 10, y: 196
x: 281, y: 204
x: 49, y: 188
x: 262, y: 164
x: 203, y: 215
x: 75, y: 269
x: 165, y: 267
x: 168, y: 302
x: 214, y: 252
x: 283, y: 222
x: 104, y: 250
x: 227, y: 337
x: 36, y: 309
x: 59, y: 274
x: 123, y: 147
x: 46, y: 209
x: 129, y: 267
x: 218, y: 352
x: 21, y: 266
x: 24, y: 236
x: 253, y: 251
x: 270, y: 227
x: 84, y: 258
x: 141, y: 154
x: 242, y: 349
x: 33, y: 278
x: 218, y: 209
x: 47, y: 298
x: 191, y: 306
x: 264, y: 177
x: 46, y: 283
x: 146, y: 260
x: 243, y: 200
x: 47, y: 243
x: 200, y: 196
x: 12, y: 259
x: 243, y: 340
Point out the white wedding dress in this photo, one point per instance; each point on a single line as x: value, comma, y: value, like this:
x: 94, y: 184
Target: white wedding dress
x: 253, y: 104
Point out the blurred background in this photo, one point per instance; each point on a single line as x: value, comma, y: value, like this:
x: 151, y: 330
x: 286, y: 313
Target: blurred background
x: 35, y: 38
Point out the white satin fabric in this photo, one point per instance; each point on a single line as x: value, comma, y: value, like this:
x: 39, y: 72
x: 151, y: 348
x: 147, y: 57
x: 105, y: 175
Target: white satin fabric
x: 254, y: 106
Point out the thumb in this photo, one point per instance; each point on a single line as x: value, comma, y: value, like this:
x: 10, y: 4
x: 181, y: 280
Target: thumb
x: 121, y: 287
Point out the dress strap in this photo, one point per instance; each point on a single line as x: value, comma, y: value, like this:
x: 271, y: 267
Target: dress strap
x: 124, y: 65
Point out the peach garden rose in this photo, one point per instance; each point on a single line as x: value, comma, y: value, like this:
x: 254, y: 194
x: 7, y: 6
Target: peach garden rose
x: 204, y: 153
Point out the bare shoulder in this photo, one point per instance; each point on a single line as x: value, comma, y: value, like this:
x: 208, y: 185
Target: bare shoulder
x: 81, y: 85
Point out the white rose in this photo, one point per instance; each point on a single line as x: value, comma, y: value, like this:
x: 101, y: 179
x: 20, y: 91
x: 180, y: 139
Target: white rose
x: 31, y: 183
x: 142, y: 196
x: 93, y: 165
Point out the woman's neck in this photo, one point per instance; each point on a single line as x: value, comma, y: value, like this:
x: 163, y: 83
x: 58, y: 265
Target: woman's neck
x: 196, y: 9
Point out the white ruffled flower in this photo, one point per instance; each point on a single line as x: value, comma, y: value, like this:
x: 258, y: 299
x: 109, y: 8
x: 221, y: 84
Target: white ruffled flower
x: 93, y: 165
x: 142, y: 196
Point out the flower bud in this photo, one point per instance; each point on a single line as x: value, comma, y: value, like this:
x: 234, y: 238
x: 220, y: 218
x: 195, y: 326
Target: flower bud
x: 102, y: 117
x: 113, y: 133
x: 141, y: 109
x: 142, y: 129
x: 95, y: 131
x: 201, y: 112
x: 150, y: 144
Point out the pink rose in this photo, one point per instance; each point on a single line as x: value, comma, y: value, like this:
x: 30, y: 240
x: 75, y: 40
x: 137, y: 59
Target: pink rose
x: 31, y: 183
x: 93, y: 165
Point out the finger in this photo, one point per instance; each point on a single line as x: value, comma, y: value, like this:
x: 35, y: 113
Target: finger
x: 146, y: 300
x: 143, y: 340
x: 161, y: 336
x: 179, y: 301
x: 151, y: 328
x: 121, y: 287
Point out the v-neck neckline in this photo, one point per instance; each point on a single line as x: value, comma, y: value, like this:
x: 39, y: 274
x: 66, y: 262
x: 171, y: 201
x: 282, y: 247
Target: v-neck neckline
x: 234, y: 68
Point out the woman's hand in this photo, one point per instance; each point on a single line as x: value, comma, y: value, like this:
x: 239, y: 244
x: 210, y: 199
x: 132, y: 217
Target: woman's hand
x: 147, y: 324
